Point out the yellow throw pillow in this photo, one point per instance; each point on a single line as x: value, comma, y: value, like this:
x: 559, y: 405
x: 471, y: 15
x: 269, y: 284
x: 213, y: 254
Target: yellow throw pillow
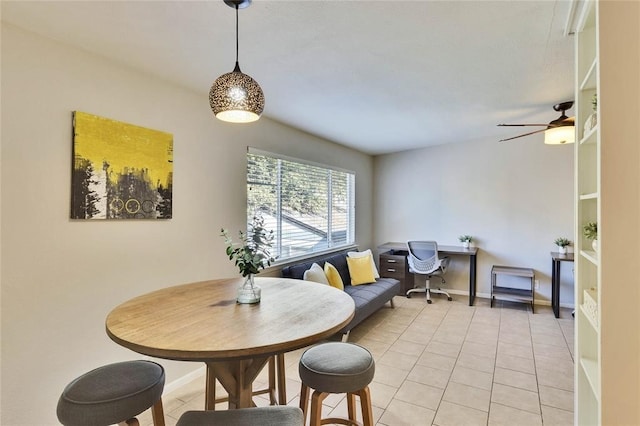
x: 360, y: 270
x: 366, y: 253
x: 333, y: 276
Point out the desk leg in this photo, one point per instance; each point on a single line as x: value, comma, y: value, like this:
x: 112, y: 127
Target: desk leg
x: 555, y: 287
x: 472, y: 279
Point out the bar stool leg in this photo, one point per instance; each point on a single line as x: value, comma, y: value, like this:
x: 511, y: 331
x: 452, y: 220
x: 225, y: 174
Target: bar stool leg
x: 157, y: 413
x: 304, y: 401
x: 316, y: 408
x: 365, y: 403
x: 351, y: 406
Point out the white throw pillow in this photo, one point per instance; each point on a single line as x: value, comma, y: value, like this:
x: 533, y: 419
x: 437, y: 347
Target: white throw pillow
x: 315, y: 274
x: 364, y: 254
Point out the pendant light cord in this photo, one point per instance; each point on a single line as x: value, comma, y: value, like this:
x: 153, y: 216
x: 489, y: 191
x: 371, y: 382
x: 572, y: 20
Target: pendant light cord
x: 237, y: 65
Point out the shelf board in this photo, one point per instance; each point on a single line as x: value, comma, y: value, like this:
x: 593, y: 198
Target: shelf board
x: 589, y: 196
x: 590, y: 137
x: 518, y: 292
x: 589, y: 319
x: 589, y: 81
x: 590, y: 255
x: 590, y: 368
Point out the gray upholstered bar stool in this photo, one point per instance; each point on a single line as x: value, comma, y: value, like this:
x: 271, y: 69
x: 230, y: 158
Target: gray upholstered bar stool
x: 337, y: 367
x: 274, y: 415
x: 114, y: 393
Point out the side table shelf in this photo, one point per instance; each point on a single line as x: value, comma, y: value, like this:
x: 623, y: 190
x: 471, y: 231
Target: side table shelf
x: 511, y: 293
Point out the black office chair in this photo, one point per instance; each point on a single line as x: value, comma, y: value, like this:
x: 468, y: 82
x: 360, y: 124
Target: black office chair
x: 423, y: 259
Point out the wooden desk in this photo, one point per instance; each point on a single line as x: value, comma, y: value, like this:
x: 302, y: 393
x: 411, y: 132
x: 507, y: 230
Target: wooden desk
x: 556, y: 259
x: 202, y: 322
x: 471, y: 252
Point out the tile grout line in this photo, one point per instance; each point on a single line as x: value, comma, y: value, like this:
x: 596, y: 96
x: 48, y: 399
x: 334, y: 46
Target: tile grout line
x: 451, y: 373
x: 535, y: 369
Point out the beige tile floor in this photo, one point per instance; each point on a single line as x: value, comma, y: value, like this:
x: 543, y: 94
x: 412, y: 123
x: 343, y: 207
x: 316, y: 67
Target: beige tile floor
x: 447, y: 364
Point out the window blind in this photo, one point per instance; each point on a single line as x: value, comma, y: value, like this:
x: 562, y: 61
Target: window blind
x: 309, y: 206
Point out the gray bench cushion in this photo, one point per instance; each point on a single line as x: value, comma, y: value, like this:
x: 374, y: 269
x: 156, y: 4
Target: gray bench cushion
x: 282, y: 415
x: 370, y: 297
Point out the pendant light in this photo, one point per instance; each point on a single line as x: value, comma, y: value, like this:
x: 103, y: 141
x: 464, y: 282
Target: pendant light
x: 236, y: 97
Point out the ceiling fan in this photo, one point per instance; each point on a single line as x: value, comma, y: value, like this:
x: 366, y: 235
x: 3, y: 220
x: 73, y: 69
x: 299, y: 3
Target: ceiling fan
x: 559, y: 131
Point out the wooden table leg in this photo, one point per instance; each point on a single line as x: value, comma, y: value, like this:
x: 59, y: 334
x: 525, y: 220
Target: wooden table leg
x: 282, y: 380
x: 210, y: 388
x: 236, y: 377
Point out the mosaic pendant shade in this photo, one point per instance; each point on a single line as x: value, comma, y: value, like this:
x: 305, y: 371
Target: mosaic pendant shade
x: 236, y: 97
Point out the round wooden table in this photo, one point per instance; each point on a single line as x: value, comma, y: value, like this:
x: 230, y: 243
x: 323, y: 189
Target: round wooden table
x: 202, y: 322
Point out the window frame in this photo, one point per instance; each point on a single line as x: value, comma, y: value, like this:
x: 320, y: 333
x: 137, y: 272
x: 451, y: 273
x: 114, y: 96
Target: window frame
x: 350, y: 236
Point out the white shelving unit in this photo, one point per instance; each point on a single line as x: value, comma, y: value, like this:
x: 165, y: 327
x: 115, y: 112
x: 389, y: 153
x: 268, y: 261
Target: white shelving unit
x: 607, y: 191
x: 587, y: 265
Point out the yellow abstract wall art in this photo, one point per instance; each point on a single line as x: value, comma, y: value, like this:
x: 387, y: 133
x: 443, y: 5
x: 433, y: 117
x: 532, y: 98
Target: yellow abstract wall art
x: 120, y: 171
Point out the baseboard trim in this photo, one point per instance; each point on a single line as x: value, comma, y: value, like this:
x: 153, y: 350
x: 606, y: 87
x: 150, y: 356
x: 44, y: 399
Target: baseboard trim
x: 182, y: 381
x: 488, y: 296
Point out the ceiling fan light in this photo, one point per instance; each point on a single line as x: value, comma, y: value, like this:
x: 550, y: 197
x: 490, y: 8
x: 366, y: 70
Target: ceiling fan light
x: 560, y: 135
x: 235, y: 97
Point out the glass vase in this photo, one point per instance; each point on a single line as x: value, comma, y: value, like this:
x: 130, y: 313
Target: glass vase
x: 249, y: 292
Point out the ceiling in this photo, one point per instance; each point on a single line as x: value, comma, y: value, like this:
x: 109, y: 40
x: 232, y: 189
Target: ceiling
x: 378, y: 76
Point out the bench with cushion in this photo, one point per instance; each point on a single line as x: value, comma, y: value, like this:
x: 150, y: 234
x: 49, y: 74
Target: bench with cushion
x: 368, y: 297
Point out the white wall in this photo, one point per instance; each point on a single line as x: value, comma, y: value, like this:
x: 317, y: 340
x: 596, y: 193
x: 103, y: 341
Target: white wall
x: 60, y: 278
x: 515, y: 198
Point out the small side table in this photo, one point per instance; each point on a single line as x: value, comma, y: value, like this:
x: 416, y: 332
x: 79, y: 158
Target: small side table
x: 510, y: 292
x: 556, y: 259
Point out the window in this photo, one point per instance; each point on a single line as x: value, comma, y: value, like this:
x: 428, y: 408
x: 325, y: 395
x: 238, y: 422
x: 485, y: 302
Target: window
x: 310, y: 207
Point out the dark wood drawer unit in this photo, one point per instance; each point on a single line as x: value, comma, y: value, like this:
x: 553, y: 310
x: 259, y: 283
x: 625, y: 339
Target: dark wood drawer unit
x: 393, y: 264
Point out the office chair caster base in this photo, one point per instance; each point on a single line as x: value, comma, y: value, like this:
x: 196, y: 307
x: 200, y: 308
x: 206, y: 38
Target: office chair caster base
x: 429, y: 301
x: 449, y: 298
x: 408, y: 296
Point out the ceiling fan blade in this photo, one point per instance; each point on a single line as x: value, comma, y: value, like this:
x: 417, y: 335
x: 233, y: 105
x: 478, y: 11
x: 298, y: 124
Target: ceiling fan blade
x: 519, y: 136
x: 521, y: 125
